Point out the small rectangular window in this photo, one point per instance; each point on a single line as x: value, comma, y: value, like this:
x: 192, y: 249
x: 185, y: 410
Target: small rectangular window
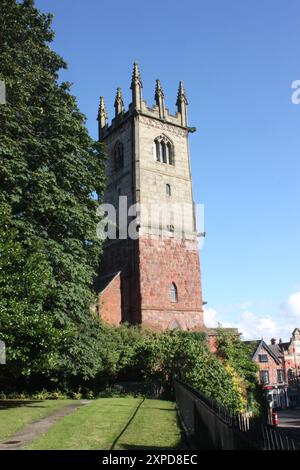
x: 263, y: 358
x: 264, y: 377
x: 280, y: 376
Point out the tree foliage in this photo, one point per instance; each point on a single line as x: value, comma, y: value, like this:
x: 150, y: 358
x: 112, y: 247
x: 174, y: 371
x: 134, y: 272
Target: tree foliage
x: 49, y: 170
x: 185, y: 355
x: 25, y: 281
x: 237, y: 359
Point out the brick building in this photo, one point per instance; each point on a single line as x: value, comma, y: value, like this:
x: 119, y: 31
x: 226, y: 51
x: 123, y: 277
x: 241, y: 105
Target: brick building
x: 279, y: 368
x: 271, y: 374
x: 152, y: 278
x: 290, y: 354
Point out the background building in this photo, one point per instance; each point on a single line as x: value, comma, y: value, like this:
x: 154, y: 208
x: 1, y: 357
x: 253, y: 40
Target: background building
x: 279, y: 368
x: 271, y: 374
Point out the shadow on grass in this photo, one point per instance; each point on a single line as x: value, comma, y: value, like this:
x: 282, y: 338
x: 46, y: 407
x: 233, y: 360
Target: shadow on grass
x: 127, y: 424
x: 9, y: 404
x: 182, y: 443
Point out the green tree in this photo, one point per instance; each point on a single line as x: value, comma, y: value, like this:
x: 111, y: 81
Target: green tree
x: 25, y: 281
x: 119, y: 353
x: 237, y: 356
x: 50, y: 172
x: 185, y: 355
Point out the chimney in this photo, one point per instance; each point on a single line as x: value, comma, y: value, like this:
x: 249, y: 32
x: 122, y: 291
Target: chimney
x: 273, y: 341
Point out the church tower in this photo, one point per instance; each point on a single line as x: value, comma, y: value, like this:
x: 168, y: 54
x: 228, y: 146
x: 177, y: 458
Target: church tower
x: 151, y: 277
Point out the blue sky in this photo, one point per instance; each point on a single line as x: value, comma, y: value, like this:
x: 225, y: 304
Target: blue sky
x: 238, y: 60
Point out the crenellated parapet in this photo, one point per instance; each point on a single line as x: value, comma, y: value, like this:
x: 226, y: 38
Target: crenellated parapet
x: 139, y: 106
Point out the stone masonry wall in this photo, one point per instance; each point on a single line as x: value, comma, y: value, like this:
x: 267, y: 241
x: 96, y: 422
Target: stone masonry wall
x: 154, y: 176
x: 164, y: 261
x: 110, y: 302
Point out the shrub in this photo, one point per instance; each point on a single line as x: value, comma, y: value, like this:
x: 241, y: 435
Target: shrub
x: 236, y: 357
x: 185, y: 355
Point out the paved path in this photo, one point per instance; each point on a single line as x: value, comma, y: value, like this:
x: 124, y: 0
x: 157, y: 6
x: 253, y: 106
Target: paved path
x: 289, y: 422
x: 35, y: 429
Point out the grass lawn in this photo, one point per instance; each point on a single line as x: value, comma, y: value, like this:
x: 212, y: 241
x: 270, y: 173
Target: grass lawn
x: 154, y: 427
x: 124, y: 423
x: 15, y: 414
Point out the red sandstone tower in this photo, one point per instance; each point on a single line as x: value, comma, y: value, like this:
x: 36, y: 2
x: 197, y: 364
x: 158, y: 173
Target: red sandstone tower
x: 152, y: 278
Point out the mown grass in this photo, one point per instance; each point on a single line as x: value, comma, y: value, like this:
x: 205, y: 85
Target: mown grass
x: 15, y: 414
x: 119, y: 423
x: 154, y: 427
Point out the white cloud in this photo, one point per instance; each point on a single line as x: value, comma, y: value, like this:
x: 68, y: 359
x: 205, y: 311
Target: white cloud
x: 213, y: 320
x: 269, y: 326
x: 253, y: 326
x: 294, y: 303
x: 210, y: 317
x: 256, y: 326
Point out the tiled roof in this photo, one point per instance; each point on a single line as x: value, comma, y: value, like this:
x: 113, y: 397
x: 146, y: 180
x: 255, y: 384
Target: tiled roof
x: 285, y: 346
x: 257, y: 344
x: 277, y: 349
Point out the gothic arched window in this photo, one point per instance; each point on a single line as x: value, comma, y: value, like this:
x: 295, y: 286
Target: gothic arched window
x: 173, y: 293
x: 168, y: 190
x: 163, y: 150
x: 118, y: 156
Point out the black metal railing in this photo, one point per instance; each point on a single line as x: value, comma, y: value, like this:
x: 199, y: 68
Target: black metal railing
x: 209, y: 425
